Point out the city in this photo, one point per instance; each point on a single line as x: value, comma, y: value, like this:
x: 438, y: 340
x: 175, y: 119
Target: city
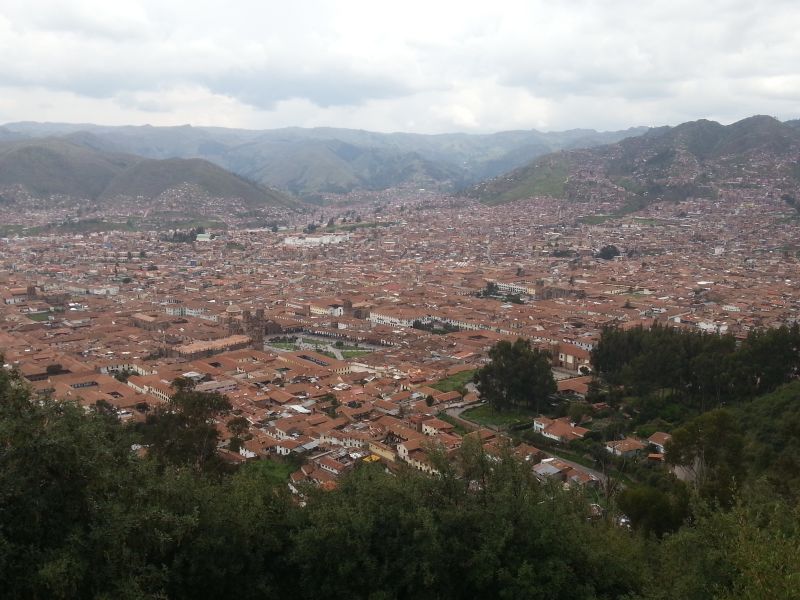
x: 331, y: 344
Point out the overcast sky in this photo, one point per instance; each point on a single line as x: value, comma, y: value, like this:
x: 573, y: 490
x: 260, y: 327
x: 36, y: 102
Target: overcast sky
x: 430, y: 66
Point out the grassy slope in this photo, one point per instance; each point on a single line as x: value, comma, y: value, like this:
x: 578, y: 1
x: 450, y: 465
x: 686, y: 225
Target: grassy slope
x: 151, y: 178
x: 53, y: 166
x: 546, y: 177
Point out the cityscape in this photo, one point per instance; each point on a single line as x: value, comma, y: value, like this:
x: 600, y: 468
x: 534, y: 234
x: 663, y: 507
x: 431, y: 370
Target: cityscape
x: 350, y: 300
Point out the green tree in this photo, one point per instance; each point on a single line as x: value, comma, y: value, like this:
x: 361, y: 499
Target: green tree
x: 238, y: 426
x: 652, y: 510
x: 608, y: 252
x: 517, y: 376
x: 709, y: 448
x: 183, y: 431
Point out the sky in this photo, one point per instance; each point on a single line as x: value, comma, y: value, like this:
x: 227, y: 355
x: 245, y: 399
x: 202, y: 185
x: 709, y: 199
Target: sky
x: 430, y: 66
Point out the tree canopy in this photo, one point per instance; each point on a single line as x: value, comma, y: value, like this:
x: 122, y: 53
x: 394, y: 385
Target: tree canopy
x: 84, y: 514
x: 518, y: 376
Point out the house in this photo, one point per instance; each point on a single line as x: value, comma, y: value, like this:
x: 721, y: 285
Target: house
x: 560, y: 430
x: 626, y: 448
x: 434, y: 426
x: 659, y: 441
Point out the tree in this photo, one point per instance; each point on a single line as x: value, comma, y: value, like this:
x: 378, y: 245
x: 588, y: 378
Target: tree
x: 517, y: 376
x: 608, y: 252
x: 491, y: 289
x: 652, y: 510
x: 183, y: 432
x: 710, y: 448
x: 238, y: 426
x: 54, y: 369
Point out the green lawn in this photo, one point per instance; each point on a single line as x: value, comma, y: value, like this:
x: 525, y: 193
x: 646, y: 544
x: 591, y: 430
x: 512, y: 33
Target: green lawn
x: 283, y: 345
x: 38, y: 316
x: 595, y: 219
x: 486, y: 415
x: 276, y: 472
x: 454, y: 382
x: 354, y: 353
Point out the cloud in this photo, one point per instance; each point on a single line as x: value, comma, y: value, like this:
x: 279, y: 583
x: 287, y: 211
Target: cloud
x: 419, y: 66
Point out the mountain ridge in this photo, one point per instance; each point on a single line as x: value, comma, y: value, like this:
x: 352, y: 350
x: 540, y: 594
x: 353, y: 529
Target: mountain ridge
x: 333, y: 160
x: 84, y: 166
x: 693, y: 159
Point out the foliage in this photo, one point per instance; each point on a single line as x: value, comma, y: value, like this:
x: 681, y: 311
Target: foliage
x: 517, y: 376
x: 182, y: 432
x: 436, y: 327
x: 710, y: 448
x: 652, y: 510
x: 186, y: 237
x: 608, y: 252
x: 752, y: 552
x: 84, y: 515
x: 695, y: 371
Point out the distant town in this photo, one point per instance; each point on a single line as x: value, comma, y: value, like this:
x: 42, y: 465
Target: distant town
x: 352, y: 332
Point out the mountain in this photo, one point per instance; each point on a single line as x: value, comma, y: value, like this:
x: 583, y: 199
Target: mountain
x: 695, y: 159
x: 84, y: 166
x: 308, y: 167
x: 56, y: 166
x: 151, y: 178
x: 310, y: 162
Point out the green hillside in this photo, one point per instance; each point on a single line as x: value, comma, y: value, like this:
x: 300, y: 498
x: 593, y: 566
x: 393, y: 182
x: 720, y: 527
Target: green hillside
x: 53, y: 166
x: 666, y: 164
x: 151, y: 178
x: 546, y: 177
x: 308, y: 162
x: 82, y: 166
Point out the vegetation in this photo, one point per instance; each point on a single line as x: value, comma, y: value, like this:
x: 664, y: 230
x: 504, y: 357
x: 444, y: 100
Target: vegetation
x: 84, y: 516
x: 640, y: 166
x: 67, y: 166
x: 38, y: 316
x: 545, y: 177
x: 608, y: 252
x: 485, y: 414
x: 151, y: 178
x: 458, y: 426
x: 186, y: 237
x: 456, y: 381
x: 437, y: 328
x: 675, y: 374
x: 348, y: 354
x: 732, y: 411
x: 518, y: 377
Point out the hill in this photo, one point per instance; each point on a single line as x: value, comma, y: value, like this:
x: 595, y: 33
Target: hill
x: 83, y: 166
x: 151, y: 178
x: 59, y: 167
x: 309, y: 162
x: 695, y: 159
